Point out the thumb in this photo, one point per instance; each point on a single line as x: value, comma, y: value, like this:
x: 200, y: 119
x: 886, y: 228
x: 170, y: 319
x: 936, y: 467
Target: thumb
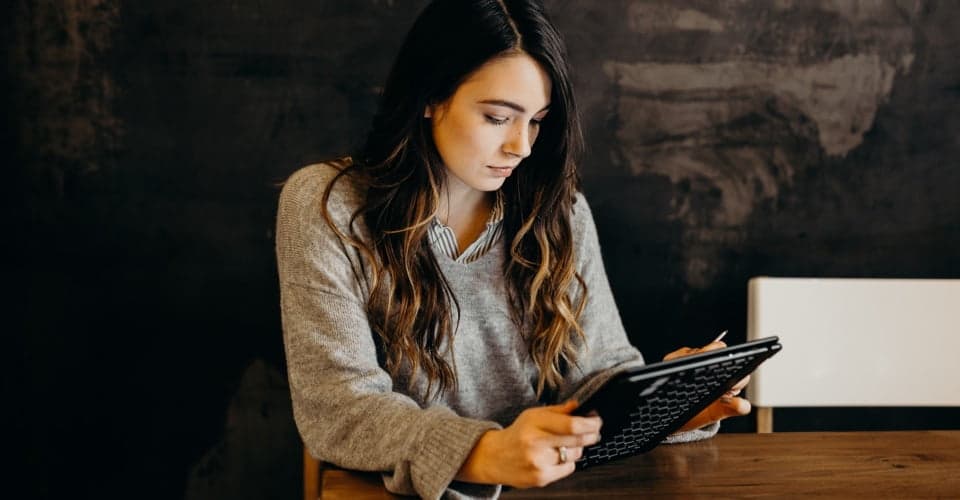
x: 727, y: 406
x: 734, y: 406
x: 566, y: 407
x: 717, y: 411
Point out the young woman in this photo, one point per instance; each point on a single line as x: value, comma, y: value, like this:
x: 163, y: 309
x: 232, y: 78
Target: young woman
x: 443, y: 293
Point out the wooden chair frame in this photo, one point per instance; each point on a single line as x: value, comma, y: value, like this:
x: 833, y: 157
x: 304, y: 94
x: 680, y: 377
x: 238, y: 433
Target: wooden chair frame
x: 312, y: 476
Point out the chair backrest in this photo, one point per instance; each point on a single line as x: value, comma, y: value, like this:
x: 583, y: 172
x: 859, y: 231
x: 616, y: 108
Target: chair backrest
x: 856, y: 342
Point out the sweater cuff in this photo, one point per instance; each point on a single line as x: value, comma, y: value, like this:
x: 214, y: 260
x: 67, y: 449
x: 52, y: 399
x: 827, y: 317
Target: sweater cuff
x: 444, y: 450
x: 705, y: 432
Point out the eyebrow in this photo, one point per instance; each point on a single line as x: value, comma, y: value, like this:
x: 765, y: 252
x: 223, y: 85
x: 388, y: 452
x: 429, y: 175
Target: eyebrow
x: 511, y: 105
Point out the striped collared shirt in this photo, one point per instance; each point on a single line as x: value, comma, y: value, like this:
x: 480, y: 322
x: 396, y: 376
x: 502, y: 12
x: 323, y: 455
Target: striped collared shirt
x: 444, y: 240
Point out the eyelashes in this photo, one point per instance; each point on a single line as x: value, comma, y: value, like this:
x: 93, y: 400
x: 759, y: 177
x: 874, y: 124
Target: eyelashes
x: 503, y: 121
x: 496, y: 121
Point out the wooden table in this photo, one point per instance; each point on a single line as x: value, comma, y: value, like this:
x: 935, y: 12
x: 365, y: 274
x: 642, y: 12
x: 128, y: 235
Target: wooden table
x: 907, y: 464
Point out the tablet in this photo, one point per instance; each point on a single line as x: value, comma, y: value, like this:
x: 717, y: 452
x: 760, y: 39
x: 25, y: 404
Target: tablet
x: 641, y: 406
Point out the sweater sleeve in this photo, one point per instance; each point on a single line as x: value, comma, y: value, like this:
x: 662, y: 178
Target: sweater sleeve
x: 607, y: 350
x: 344, y: 404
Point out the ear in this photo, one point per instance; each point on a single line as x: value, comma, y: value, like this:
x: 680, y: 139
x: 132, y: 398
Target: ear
x: 428, y: 111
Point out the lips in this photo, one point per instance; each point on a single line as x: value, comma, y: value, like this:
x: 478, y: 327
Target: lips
x: 501, y: 171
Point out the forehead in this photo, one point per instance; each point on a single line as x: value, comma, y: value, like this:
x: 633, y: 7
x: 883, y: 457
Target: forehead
x: 517, y: 78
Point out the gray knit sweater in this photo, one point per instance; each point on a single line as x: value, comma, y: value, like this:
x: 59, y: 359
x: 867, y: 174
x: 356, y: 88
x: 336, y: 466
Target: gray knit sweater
x: 349, y: 410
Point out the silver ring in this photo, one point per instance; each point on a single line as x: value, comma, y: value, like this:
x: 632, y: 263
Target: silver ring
x: 562, y: 451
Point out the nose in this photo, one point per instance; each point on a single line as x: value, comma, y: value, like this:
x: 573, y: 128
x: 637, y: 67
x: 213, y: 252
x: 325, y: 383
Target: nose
x: 518, y: 142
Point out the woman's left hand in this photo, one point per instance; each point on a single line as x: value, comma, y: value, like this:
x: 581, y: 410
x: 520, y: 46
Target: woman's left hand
x: 729, y: 405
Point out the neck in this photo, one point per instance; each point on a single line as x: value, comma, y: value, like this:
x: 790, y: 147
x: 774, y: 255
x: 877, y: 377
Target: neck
x: 460, y: 203
x: 464, y: 210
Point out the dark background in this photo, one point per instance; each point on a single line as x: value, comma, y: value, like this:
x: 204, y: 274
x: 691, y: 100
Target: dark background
x: 144, y: 142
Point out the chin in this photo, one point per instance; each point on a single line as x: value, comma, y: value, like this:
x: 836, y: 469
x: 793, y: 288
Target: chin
x: 491, y: 185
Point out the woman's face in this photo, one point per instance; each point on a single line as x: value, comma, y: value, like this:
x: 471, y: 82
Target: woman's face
x: 490, y: 123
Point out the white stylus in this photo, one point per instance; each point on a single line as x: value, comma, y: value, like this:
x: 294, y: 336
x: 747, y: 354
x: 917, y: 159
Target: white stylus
x: 720, y: 337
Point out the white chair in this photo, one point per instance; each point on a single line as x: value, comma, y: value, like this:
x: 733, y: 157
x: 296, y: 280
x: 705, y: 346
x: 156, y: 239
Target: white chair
x: 855, y: 343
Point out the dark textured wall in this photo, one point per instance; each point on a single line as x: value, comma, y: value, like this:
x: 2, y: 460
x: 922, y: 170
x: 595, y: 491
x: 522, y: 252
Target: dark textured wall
x: 144, y: 142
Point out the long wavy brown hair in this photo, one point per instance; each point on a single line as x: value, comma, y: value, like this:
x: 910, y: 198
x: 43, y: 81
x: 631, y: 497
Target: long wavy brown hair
x: 411, y: 306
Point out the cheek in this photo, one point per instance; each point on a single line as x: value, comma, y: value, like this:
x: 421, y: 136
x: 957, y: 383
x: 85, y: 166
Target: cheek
x: 468, y: 140
x: 448, y: 135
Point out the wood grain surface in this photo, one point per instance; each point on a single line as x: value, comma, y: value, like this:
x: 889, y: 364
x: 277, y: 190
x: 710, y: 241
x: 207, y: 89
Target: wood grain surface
x: 909, y: 464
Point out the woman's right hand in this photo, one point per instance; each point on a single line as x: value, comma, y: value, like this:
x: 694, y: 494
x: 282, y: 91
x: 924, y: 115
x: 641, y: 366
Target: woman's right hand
x: 526, y: 454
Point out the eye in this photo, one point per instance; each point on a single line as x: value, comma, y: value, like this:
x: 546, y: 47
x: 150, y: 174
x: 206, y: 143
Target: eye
x: 496, y: 120
x: 536, y: 122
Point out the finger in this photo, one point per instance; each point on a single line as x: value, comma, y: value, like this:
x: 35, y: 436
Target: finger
x: 679, y: 353
x: 726, y: 407
x: 551, y: 468
x: 712, y: 346
x: 686, y: 351
x: 566, y: 469
x: 573, y: 454
x: 707, y: 416
x: 739, y: 386
x: 576, y: 440
x: 717, y: 411
x: 565, y: 408
x: 552, y: 455
x: 735, y: 407
x: 567, y: 425
x: 568, y: 407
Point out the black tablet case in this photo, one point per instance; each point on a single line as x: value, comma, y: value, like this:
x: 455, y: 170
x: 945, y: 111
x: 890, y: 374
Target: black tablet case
x: 642, y: 406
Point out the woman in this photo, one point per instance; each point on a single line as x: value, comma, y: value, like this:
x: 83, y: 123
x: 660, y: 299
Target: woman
x: 443, y: 289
